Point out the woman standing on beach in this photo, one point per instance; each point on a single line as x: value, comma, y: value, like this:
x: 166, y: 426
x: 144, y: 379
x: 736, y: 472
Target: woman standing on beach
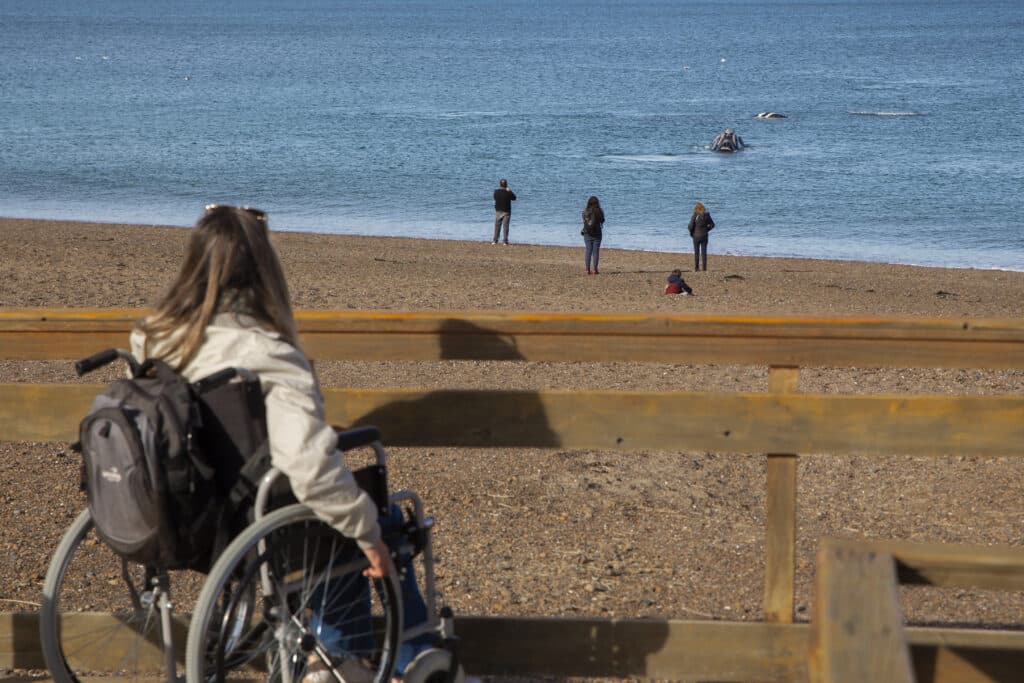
x: 699, y: 227
x: 593, y: 222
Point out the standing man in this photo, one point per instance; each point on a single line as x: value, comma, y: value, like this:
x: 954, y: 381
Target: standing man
x: 503, y: 198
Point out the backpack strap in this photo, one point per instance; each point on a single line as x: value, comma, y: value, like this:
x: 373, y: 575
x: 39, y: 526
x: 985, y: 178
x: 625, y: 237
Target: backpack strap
x: 250, y: 475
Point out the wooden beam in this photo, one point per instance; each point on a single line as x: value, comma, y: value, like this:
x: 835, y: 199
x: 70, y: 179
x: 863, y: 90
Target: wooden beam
x: 648, y: 648
x: 858, y: 625
x: 626, y: 420
x: 955, y: 565
x: 122, y: 644
x: 780, y: 538
x: 70, y: 334
x: 522, y: 646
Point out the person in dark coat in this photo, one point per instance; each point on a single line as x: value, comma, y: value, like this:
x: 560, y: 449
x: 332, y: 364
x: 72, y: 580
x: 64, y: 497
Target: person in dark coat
x: 503, y: 198
x: 677, y: 285
x: 593, y: 223
x: 699, y: 227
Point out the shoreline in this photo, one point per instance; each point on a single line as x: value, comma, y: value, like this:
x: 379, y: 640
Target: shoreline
x: 367, y: 235
x: 87, y: 264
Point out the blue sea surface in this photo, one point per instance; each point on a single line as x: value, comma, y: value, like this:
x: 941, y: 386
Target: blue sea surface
x: 903, y: 142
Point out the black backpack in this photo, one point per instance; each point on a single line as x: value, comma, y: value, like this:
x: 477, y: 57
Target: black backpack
x: 168, y: 466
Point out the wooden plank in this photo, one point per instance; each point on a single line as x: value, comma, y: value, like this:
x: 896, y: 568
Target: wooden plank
x: 955, y: 565
x: 523, y: 646
x: 526, y: 323
x: 963, y: 655
x: 648, y: 648
x: 387, y: 335
x: 725, y: 423
x: 858, y: 626
x: 43, y: 412
x: 105, y: 643
x: 780, y: 538
x: 676, y: 650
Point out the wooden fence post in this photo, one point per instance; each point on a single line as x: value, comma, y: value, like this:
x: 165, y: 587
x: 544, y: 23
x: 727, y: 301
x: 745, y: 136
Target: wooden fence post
x: 780, y: 541
x: 858, y: 632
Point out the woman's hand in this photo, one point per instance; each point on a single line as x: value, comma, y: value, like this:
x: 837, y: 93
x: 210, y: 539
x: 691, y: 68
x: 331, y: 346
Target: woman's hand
x: 379, y: 556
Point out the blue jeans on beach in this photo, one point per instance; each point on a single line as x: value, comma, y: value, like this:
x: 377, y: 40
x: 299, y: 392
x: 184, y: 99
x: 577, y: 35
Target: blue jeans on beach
x: 593, y: 246
x: 343, y: 605
x: 700, y: 252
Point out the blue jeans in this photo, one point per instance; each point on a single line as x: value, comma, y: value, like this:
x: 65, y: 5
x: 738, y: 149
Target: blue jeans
x: 343, y: 605
x: 700, y: 252
x: 593, y: 245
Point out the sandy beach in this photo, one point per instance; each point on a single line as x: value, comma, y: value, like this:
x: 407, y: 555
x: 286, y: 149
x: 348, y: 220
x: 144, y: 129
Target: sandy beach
x: 670, y: 534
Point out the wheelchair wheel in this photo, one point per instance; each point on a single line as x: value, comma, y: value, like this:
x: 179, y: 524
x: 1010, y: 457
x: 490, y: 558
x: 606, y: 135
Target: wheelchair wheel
x: 99, y: 615
x: 433, y: 666
x: 289, y: 589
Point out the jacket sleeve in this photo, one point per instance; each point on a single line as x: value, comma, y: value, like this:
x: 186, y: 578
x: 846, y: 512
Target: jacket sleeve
x: 693, y: 221
x: 304, y: 447
x: 710, y: 222
x: 511, y: 195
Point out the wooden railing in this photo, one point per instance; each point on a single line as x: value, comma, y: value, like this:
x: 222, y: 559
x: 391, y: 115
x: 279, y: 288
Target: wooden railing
x: 781, y: 423
x: 858, y: 612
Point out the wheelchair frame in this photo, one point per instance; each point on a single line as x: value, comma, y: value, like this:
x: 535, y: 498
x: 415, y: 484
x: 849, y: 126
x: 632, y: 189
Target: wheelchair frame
x: 151, y: 605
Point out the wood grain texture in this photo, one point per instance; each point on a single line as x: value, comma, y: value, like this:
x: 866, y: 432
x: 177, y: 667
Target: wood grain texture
x: 858, y: 625
x: 955, y: 565
x: 780, y: 532
x: 626, y: 420
x: 649, y: 648
x: 52, y: 333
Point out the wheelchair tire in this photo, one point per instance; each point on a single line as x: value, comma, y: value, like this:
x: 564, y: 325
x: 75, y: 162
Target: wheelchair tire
x: 432, y: 666
x: 256, y: 615
x: 90, y: 621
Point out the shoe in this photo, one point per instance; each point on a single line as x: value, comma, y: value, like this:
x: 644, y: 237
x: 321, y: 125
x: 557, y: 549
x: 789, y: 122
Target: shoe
x: 494, y: 242
x: 506, y: 243
x: 588, y: 271
x: 687, y: 293
x: 596, y: 271
x: 350, y: 669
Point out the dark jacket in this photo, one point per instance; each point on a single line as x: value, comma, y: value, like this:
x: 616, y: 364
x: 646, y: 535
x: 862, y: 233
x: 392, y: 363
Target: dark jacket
x: 700, y: 225
x: 503, y: 199
x: 593, y: 221
x: 677, y: 285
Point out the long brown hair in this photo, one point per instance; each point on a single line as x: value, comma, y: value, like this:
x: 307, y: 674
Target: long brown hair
x: 699, y: 208
x: 594, y: 207
x: 230, y: 264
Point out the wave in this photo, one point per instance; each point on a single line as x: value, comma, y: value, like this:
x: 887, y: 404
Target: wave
x: 652, y: 158
x: 887, y: 113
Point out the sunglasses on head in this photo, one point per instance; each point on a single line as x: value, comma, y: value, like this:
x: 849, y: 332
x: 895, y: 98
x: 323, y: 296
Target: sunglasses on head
x: 258, y: 214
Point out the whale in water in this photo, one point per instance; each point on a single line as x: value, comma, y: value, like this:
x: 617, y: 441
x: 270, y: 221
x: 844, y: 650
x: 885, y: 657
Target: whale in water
x: 727, y: 141
x: 769, y: 115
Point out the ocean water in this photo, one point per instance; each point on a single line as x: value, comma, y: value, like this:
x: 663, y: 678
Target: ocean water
x: 904, y: 140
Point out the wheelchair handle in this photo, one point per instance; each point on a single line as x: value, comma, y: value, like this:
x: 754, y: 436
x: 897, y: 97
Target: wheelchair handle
x: 98, y: 360
x: 349, y: 439
x: 222, y: 377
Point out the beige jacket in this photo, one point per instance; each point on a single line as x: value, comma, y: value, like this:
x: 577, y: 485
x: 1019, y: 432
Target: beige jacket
x: 302, y: 444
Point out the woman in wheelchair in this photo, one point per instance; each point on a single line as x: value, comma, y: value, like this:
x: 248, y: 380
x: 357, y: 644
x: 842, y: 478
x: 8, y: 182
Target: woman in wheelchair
x: 229, y: 307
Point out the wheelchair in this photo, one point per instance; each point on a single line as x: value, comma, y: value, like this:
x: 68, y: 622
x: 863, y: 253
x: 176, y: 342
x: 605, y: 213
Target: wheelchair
x: 285, y: 594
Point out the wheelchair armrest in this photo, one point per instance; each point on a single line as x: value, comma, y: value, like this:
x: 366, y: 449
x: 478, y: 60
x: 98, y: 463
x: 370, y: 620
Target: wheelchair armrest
x: 357, y: 438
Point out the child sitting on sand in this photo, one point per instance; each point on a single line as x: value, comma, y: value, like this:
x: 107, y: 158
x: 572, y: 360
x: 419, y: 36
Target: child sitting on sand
x: 676, y: 284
